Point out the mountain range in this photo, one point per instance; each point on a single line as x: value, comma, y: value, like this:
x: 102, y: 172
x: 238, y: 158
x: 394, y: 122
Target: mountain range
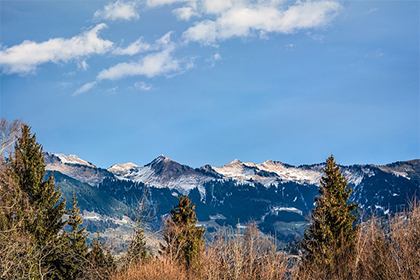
x: 276, y: 195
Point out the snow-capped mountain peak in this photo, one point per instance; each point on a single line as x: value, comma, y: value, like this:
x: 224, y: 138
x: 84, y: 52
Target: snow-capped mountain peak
x: 67, y: 159
x: 123, y: 168
x: 162, y: 172
x: 75, y: 167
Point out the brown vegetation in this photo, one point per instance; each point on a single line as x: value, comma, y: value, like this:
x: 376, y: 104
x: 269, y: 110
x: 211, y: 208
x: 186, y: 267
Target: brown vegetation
x: 231, y: 255
x: 387, y: 248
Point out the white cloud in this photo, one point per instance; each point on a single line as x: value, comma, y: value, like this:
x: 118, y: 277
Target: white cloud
x: 85, y: 88
x: 155, y: 3
x: 134, y: 48
x: 214, y: 58
x: 205, y: 32
x: 216, y: 6
x: 244, y: 19
x: 24, y: 58
x: 83, y: 65
x: 112, y: 90
x: 290, y: 47
x: 142, y: 86
x: 185, y: 13
x: 152, y: 65
x: 118, y: 11
x: 217, y: 57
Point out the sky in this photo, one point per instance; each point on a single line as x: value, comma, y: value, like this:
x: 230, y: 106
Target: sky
x: 209, y: 81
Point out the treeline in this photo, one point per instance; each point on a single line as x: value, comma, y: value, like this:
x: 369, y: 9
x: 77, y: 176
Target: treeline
x: 336, y: 245
x: 40, y: 239
x: 33, y: 244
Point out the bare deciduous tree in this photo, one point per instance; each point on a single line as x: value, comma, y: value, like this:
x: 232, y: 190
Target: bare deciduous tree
x: 9, y: 133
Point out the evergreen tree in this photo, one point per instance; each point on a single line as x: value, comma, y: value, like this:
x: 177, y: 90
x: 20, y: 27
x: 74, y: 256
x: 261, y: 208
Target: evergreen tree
x: 28, y: 166
x: 101, y: 261
x: 43, y: 215
x: 331, y: 237
x: 77, y: 235
x: 184, y: 240
x: 75, y: 249
x: 138, y: 251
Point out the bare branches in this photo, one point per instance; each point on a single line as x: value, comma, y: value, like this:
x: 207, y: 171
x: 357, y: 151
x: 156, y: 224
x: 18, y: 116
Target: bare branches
x: 9, y: 133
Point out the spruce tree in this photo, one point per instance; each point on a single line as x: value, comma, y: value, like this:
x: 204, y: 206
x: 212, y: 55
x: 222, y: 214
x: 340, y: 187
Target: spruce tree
x: 101, y: 260
x: 76, y: 246
x: 184, y: 240
x: 43, y: 219
x: 28, y: 166
x: 138, y: 251
x: 331, y: 237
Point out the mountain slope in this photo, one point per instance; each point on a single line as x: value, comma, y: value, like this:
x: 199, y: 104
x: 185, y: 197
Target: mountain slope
x: 276, y: 195
x: 162, y: 173
x: 89, y: 198
x: 76, y: 168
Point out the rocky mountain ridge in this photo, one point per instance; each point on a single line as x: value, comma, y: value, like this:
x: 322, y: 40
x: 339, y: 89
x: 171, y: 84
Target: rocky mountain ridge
x: 163, y: 172
x: 276, y: 195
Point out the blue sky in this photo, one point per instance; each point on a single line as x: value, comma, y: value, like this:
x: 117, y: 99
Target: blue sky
x: 208, y: 81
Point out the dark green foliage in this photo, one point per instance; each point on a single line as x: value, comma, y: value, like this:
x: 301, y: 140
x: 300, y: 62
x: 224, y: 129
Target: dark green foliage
x: 27, y: 164
x: 100, y: 260
x: 77, y: 236
x: 138, y: 251
x: 331, y: 237
x: 89, y: 198
x: 41, y: 205
x: 74, y: 249
x: 13, y: 203
x: 183, y: 239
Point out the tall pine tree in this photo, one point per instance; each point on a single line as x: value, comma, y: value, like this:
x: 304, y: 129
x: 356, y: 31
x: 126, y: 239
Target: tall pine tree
x: 184, y: 240
x: 331, y: 237
x: 74, y: 252
x: 28, y: 166
x: 101, y: 261
x: 137, y: 251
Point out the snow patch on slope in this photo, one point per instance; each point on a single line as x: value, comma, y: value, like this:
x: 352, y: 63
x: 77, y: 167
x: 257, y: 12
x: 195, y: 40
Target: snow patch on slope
x: 162, y: 173
x: 73, y: 159
x: 295, y: 174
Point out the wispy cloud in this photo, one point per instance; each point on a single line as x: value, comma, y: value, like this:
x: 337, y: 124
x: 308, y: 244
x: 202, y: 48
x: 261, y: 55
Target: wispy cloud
x: 245, y: 18
x: 156, y: 3
x: 25, y: 58
x: 85, y: 88
x: 83, y: 65
x: 217, y: 6
x: 112, y: 90
x: 214, y: 58
x: 142, y: 86
x: 151, y: 65
x: 118, y: 11
x: 185, y: 13
x: 134, y: 48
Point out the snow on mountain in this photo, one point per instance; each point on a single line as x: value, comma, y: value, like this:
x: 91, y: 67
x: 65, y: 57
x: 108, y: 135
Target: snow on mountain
x: 121, y: 170
x: 237, y: 170
x: 73, y: 159
x: 310, y: 176
x: 270, y: 172
x: 162, y: 173
x: 75, y: 167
